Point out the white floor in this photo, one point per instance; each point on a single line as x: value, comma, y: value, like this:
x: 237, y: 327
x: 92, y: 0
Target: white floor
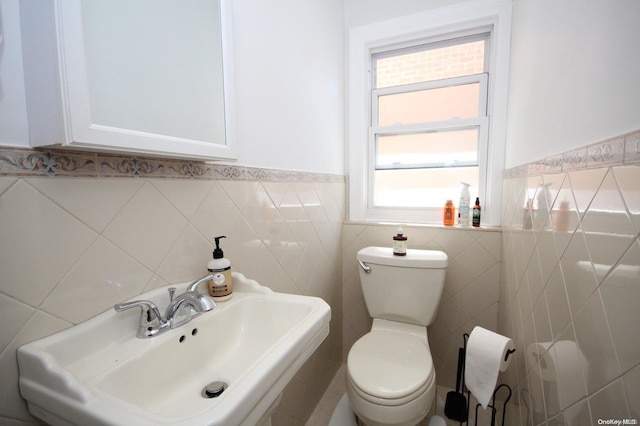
x: 324, y: 410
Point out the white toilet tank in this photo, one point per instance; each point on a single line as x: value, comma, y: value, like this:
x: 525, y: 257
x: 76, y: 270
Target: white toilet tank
x: 402, y: 288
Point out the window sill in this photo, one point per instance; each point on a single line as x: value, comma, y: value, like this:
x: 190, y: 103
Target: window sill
x: 424, y: 225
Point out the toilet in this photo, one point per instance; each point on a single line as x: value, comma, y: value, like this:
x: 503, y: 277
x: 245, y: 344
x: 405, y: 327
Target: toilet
x: 390, y: 377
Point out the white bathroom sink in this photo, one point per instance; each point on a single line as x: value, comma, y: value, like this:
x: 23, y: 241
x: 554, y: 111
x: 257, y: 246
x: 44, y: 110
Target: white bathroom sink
x: 100, y: 373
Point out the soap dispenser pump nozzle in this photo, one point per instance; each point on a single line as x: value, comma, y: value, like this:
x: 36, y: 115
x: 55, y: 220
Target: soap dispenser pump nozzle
x: 218, y: 253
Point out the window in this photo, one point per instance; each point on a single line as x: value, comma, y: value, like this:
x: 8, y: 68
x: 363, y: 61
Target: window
x: 428, y: 122
x: 427, y: 112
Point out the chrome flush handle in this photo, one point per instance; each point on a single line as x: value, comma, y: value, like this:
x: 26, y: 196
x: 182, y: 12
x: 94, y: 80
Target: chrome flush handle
x: 364, y: 266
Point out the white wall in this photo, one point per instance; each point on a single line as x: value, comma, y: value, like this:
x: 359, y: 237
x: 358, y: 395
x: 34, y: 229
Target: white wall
x: 575, y: 74
x: 363, y: 12
x: 289, y: 83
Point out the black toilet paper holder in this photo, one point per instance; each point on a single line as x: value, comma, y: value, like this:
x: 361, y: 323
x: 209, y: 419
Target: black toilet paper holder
x: 492, y: 406
x: 509, y: 352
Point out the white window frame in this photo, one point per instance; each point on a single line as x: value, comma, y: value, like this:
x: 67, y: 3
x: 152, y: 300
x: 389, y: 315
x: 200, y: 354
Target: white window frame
x: 469, y: 18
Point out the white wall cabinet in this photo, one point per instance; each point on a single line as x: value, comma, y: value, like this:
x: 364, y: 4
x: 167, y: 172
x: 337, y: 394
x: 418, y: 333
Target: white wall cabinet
x: 144, y: 77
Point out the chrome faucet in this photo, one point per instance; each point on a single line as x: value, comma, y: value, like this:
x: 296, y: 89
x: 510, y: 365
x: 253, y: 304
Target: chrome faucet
x: 151, y: 321
x: 197, y: 301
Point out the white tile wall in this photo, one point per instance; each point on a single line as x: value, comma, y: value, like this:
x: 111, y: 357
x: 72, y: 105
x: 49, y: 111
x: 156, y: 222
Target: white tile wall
x: 74, y: 246
x: 570, y: 298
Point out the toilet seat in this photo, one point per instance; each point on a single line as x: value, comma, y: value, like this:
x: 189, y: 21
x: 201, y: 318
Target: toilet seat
x: 390, y: 368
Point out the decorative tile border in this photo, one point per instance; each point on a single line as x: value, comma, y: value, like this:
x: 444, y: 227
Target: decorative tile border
x: 607, y: 153
x: 553, y: 164
x: 27, y: 162
x: 620, y: 150
x: 575, y: 160
x: 60, y: 163
x: 632, y: 148
x: 616, y: 151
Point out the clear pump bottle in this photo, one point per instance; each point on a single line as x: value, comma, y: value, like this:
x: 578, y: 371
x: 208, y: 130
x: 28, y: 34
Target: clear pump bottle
x: 463, y: 205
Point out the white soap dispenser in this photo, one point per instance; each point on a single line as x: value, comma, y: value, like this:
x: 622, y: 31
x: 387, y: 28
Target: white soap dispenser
x: 463, y: 206
x: 221, y: 286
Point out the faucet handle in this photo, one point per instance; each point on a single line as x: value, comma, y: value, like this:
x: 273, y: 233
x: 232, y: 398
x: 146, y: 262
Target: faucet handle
x: 151, y: 321
x: 145, y: 305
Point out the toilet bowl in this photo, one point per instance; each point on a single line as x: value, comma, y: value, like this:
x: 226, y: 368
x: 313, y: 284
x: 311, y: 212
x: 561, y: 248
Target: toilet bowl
x: 390, y: 376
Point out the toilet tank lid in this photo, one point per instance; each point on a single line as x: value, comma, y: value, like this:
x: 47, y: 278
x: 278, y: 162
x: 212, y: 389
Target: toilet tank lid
x: 428, y: 259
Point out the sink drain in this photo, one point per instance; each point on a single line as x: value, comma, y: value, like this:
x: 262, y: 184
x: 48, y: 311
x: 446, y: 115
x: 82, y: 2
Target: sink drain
x: 214, y: 389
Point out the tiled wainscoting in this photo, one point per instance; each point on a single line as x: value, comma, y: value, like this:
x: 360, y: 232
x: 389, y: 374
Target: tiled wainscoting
x: 570, y: 293
x: 81, y: 232
x: 471, y: 290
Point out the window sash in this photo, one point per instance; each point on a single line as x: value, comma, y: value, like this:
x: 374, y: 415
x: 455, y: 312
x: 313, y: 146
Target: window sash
x: 422, y: 213
x: 458, y: 125
x: 481, y: 79
x: 446, y: 40
x: 481, y: 123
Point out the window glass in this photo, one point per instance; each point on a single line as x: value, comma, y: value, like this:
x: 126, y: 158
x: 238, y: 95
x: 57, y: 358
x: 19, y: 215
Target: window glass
x: 430, y: 63
x: 449, y: 148
x: 422, y: 169
x: 421, y: 188
x: 438, y: 104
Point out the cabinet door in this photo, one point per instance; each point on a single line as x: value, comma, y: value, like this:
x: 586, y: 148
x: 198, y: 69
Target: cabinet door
x: 150, y: 76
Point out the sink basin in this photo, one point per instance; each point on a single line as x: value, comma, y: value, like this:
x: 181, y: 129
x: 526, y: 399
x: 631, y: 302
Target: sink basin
x: 100, y: 373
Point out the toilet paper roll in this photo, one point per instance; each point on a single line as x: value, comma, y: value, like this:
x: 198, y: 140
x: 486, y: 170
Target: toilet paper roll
x: 486, y: 357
